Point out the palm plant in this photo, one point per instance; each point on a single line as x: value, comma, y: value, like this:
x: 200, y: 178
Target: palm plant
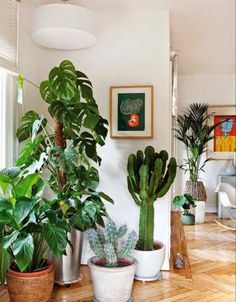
x: 67, y: 148
x: 194, y: 132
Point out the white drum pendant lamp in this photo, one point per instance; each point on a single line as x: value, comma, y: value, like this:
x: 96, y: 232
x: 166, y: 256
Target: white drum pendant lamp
x: 63, y: 26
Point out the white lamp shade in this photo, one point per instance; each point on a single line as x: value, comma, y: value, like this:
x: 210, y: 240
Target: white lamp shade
x: 64, y: 26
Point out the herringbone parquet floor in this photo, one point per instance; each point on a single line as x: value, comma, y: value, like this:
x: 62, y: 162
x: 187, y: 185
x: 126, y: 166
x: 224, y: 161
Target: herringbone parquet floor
x: 211, y: 251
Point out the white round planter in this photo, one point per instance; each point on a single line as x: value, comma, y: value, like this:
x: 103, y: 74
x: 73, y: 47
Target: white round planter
x: 112, y: 284
x: 149, y: 263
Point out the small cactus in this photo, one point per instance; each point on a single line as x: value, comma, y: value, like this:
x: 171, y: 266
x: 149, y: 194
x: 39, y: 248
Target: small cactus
x: 105, y: 244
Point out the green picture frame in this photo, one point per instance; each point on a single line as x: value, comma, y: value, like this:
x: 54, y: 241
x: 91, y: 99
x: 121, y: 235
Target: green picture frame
x: 131, y: 111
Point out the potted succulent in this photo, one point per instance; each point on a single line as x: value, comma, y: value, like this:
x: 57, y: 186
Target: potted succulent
x: 30, y: 227
x: 187, y: 202
x: 64, y: 150
x: 112, y: 269
x: 149, y: 178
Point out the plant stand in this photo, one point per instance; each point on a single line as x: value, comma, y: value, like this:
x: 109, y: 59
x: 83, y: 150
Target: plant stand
x: 200, y: 211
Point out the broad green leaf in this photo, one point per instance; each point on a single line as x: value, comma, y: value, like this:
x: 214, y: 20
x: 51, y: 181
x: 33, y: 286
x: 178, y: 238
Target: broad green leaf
x: 23, y: 250
x: 23, y: 208
x: 105, y: 196
x: 56, y: 238
x: 25, y: 130
x: 5, y: 261
x: 4, y: 181
x: 24, y: 187
x: 6, y: 218
x: 62, y: 81
x: 5, y: 205
x: 46, y: 93
x: 10, y: 239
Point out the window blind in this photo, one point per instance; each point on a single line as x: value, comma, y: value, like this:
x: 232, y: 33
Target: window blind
x: 8, y: 33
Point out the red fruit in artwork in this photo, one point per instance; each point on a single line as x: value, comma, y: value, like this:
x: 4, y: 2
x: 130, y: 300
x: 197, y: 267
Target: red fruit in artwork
x: 134, y: 120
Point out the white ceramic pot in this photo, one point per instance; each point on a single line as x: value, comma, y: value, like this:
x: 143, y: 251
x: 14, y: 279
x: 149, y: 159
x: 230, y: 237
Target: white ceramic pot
x: 149, y: 263
x: 112, y: 284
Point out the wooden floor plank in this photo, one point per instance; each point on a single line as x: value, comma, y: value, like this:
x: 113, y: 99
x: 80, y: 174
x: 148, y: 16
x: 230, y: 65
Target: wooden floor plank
x: 213, y: 278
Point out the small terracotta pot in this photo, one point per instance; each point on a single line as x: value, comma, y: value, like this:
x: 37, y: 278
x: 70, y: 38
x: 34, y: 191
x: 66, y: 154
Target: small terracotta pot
x: 31, y: 287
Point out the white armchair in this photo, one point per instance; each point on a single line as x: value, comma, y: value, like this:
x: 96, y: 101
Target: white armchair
x: 226, y: 200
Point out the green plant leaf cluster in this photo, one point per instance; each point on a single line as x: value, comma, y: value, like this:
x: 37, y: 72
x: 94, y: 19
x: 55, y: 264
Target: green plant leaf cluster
x: 185, y: 201
x: 28, y: 230
x: 67, y: 147
x: 150, y: 176
x: 107, y: 244
x: 194, y: 132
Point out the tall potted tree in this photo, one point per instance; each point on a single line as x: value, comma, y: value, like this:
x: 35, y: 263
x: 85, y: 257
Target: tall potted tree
x: 149, y: 178
x: 29, y: 228
x: 194, y: 132
x: 65, y: 150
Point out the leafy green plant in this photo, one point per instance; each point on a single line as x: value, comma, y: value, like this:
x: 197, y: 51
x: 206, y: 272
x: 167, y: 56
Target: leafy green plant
x: 106, y: 244
x: 149, y: 178
x: 66, y: 148
x: 29, y: 226
x: 192, y: 130
x: 185, y: 201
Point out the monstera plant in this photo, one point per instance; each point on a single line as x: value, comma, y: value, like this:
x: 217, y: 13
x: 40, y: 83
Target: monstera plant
x: 150, y: 176
x: 66, y: 148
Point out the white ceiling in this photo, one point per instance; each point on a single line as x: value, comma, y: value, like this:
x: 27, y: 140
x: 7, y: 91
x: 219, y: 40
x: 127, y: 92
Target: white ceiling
x: 202, y: 31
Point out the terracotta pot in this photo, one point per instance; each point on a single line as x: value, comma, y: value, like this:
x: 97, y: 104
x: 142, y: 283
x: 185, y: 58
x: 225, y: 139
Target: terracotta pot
x: 112, y: 284
x: 31, y: 287
x: 149, y: 262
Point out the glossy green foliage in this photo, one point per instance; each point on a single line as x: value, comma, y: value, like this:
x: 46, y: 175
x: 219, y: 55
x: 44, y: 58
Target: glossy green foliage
x: 107, y: 243
x: 29, y: 226
x: 69, y: 95
x: 185, y: 201
x: 150, y: 176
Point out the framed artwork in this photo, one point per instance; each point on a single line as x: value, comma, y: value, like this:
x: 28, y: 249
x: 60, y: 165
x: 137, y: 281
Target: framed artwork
x: 131, y: 111
x: 223, y: 145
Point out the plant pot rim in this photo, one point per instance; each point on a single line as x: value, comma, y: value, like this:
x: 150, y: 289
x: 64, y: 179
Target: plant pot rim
x: 42, y: 272
x: 155, y: 250
x: 91, y: 263
x: 188, y: 215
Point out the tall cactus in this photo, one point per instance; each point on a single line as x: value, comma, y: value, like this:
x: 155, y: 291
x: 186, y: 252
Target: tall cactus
x: 149, y: 178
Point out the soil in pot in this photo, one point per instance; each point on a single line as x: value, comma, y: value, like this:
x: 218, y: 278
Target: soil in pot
x: 31, y: 287
x: 121, y: 262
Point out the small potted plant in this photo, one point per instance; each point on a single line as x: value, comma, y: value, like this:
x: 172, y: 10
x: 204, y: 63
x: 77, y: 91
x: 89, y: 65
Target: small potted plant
x: 149, y: 178
x: 187, y: 202
x: 29, y: 229
x: 112, y: 268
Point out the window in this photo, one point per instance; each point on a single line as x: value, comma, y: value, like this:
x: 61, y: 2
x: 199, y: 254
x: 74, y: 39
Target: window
x: 8, y: 118
x: 8, y: 33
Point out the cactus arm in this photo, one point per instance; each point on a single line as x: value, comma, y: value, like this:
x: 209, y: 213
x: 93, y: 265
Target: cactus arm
x: 122, y: 230
x: 132, y: 168
x: 156, y: 176
x: 101, y: 236
x: 131, y: 190
x: 111, y: 233
x: 128, y: 246
x: 168, y: 179
x: 163, y: 155
x: 139, y: 157
x: 149, y: 155
x: 144, y: 175
x: 110, y: 255
x: 95, y: 243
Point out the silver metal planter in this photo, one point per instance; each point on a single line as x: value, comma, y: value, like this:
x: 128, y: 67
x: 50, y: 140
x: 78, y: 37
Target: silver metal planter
x: 67, y: 268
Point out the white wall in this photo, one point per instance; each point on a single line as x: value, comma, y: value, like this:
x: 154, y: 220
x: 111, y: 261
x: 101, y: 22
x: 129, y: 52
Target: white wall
x: 132, y: 49
x: 215, y: 89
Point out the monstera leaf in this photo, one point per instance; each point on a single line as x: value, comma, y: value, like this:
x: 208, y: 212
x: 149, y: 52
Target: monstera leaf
x: 62, y: 81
